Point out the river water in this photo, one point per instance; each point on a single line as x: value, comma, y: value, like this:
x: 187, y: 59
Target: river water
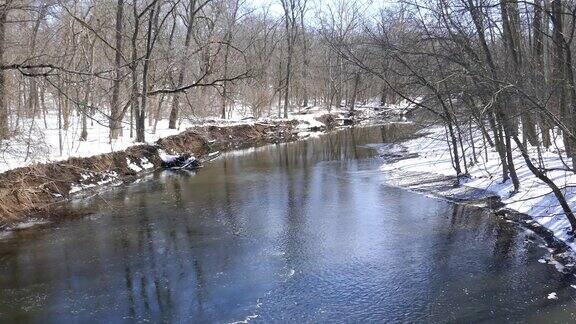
x: 300, y: 232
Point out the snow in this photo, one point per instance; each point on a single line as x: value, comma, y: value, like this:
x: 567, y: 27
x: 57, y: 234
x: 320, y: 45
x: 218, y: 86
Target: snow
x: 308, y: 121
x: 133, y: 166
x: 167, y: 158
x: 146, y: 164
x: 30, y: 223
x: 45, y: 142
x: 36, y: 143
x: 534, y: 197
x: 79, y: 187
x: 403, y: 106
x: 88, y: 178
x: 41, y: 141
x: 309, y: 134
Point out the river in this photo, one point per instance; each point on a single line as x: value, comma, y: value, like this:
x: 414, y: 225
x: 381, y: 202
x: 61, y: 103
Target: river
x: 301, y: 232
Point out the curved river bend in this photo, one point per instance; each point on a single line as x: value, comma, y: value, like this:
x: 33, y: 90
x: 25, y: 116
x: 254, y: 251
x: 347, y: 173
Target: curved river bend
x: 300, y: 232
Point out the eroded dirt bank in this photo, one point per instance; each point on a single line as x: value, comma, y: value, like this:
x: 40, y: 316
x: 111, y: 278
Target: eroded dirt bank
x: 33, y: 190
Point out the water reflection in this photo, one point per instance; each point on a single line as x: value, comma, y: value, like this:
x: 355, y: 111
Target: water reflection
x: 297, y: 232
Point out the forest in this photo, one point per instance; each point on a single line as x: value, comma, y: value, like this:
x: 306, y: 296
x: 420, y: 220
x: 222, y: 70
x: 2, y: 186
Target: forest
x: 497, y: 75
x: 130, y: 64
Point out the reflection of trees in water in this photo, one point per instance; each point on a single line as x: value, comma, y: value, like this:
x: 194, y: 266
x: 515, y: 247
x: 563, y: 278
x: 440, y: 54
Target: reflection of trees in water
x: 295, y: 234
x: 445, y: 239
x: 154, y: 260
x: 146, y: 247
x: 469, y: 224
x: 395, y: 132
x: 293, y: 217
x: 228, y: 191
x: 346, y: 144
x: 504, y: 239
x: 176, y: 190
x: 452, y: 234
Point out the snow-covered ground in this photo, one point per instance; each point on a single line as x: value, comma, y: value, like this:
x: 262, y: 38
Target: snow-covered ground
x: 36, y: 143
x: 534, y: 198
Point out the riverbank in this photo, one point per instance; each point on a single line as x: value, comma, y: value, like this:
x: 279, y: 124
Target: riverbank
x: 33, y: 190
x: 425, y: 165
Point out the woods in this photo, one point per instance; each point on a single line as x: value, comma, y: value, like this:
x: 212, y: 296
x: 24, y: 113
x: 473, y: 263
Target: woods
x: 123, y: 63
x: 497, y: 74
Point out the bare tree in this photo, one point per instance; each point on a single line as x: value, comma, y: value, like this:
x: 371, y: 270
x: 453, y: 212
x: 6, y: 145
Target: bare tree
x: 3, y: 105
x: 116, y: 111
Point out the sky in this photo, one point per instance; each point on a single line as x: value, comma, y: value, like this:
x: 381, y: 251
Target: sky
x: 275, y: 6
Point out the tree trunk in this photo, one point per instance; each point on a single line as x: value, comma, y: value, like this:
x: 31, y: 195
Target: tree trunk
x: 497, y: 118
x: 352, y: 104
x: 134, y: 97
x: 175, y: 110
x: 115, y: 109
x: 305, y: 59
x: 540, y: 175
x: 141, y: 112
x: 33, y: 100
x: 228, y: 41
x: 287, y: 81
x: 290, y: 25
x: 539, y: 77
x: 383, y: 96
x: 4, y: 133
x: 559, y: 74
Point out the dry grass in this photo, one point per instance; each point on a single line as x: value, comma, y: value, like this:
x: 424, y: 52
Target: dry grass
x: 34, y: 189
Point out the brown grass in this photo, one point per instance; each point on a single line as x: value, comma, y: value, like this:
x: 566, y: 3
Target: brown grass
x: 34, y: 189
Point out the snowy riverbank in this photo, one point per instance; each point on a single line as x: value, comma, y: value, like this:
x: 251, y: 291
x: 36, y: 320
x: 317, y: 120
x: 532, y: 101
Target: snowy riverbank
x: 429, y: 155
x: 45, y: 143
x: 51, y: 165
x: 33, y: 189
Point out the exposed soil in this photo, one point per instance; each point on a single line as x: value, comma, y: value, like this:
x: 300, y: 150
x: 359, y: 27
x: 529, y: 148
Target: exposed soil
x: 33, y: 190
